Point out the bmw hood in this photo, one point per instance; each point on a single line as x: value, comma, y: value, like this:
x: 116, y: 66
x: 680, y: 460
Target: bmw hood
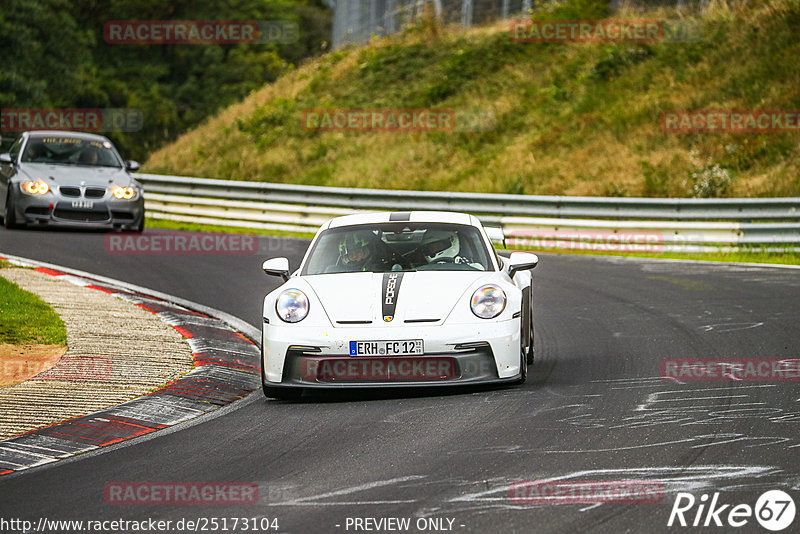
x: 420, y: 296
x: 75, y: 174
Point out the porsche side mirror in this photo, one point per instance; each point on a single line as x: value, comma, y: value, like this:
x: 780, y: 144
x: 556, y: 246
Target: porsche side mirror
x: 131, y: 165
x: 277, y: 267
x: 6, y: 158
x: 521, y: 261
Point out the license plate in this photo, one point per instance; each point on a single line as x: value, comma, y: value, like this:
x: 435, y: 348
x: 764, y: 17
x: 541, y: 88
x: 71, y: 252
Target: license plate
x: 406, y: 347
x: 83, y: 204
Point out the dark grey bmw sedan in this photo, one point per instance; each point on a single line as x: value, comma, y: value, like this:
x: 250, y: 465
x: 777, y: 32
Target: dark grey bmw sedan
x: 69, y: 179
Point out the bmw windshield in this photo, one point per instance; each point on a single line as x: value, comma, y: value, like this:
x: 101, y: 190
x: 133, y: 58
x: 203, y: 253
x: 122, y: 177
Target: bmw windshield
x: 399, y: 247
x: 66, y: 150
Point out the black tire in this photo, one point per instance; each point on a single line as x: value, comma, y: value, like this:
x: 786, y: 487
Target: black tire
x: 530, y: 356
x: 523, y: 355
x: 523, y: 364
x: 10, y: 220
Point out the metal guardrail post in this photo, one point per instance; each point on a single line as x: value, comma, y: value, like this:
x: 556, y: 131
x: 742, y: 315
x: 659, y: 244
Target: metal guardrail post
x: 466, y: 13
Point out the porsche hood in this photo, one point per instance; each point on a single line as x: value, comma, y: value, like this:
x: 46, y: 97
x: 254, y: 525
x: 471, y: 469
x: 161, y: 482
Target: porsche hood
x: 350, y: 299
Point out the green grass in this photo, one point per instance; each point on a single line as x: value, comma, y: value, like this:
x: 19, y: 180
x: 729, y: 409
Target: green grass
x: 564, y: 118
x: 27, y: 319
x: 780, y: 258
x: 166, y: 224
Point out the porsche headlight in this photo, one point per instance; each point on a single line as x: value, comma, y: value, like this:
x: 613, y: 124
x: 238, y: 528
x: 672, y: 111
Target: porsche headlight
x: 292, y: 306
x: 34, y: 187
x: 488, y: 302
x: 124, y: 193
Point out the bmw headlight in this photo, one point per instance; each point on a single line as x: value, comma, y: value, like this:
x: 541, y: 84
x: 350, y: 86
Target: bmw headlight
x: 292, y: 306
x: 488, y: 302
x: 34, y: 187
x: 124, y: 193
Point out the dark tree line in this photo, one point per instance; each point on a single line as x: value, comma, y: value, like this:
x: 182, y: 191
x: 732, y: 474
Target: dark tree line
x: 55, y: 56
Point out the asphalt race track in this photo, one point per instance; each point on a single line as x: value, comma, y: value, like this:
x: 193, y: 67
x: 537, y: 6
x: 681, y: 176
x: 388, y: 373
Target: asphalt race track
x: 595, y: 408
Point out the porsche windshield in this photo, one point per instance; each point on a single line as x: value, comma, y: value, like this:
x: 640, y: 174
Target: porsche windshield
x: 399, y: 247
x: 65, y: 150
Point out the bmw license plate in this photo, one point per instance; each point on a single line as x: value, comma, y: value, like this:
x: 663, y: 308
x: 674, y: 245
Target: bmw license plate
x: 407, y: 347
x: 83, y: 204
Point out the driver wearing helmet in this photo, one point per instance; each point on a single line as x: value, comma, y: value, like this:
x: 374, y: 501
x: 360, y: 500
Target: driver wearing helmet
x: 438, y: 246
x: 442, y: 246
x: 358, y: 252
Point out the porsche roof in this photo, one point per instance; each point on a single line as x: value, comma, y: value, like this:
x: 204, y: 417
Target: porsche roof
x: 398, y: 216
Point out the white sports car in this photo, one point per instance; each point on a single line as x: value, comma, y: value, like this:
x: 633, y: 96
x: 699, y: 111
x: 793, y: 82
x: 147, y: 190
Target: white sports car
x: 398, y: 299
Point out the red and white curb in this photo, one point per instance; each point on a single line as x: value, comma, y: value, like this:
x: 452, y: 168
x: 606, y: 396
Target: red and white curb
x: 227, y: 368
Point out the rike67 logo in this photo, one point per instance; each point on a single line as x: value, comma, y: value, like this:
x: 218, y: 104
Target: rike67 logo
x: 774, y: 510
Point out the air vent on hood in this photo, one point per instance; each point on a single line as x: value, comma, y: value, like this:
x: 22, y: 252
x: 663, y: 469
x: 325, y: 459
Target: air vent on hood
x: 353, y: 322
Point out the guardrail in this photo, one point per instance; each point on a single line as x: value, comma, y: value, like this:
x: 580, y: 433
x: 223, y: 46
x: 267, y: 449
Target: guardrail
x: 538, y: 221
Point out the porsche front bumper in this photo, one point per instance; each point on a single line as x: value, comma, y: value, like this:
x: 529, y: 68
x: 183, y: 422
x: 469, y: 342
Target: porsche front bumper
x: 296, y: 356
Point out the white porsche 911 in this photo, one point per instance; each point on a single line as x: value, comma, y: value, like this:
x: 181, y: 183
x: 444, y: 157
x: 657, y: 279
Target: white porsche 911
x: 398, y: 299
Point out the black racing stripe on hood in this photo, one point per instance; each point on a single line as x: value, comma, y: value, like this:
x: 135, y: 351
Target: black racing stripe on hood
x: 391, y: 290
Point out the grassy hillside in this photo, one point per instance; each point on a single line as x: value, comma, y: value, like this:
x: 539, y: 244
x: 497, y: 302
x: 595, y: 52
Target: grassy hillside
x: 566, y: 118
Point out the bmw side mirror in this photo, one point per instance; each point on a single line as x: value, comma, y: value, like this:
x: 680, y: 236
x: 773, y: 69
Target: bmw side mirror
x: 6, y: 158
x: 277, y: 267
x: 521, y: 261
x: 131, y: 165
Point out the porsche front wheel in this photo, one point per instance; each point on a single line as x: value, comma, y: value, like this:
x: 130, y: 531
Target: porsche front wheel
x: 523, y: 357
x: 530, y: 353
x: 523, y: 367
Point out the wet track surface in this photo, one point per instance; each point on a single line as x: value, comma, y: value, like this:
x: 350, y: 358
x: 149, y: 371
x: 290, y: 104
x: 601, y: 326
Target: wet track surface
x: 594, y: 408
